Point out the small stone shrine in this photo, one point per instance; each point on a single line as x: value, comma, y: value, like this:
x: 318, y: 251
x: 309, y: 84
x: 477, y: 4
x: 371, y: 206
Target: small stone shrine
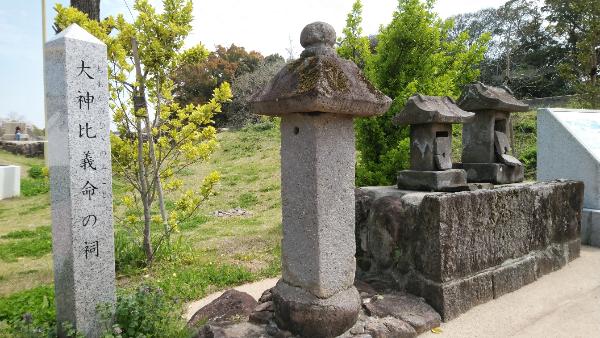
x: 430, y: 119
x: 80, y: 178
x: 461, y: 249
x: 486, y: 155
x: 317, y: 97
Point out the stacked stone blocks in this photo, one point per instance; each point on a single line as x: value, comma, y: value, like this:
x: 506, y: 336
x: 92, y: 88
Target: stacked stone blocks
x: 463, y: 249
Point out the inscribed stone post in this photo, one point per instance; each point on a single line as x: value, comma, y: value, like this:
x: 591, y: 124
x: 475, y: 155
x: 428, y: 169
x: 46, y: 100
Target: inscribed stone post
x: 80, y: 177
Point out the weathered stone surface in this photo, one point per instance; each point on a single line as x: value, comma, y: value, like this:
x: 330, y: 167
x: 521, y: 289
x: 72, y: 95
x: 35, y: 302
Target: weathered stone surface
x: 431, y: 147
x: 301, y: 312
x: 320, y: 81
x: 263, y: 317
x: 495, y: 173
x: 232, y: 330
x: 318, y: 243
x: 317, y: 97
x: 590, y: 227
x: 513, y: 275
x: 551, y: 259
x: 452, y: 298
x: 80, y: 178
x: 447, y: 180
x: 266, y: 306
x: 230, y: 305
x: 389, y: 327
x: 478, y: 96
x: 422, y: 109
x: 409, y: 308
x: 449, y: 247
x: 266, y: 296
x: 25, y: 148
x: 485, y: 138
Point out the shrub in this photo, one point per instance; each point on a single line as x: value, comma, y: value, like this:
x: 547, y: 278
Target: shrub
x: 414, y: 54
x: 34, y: 186
x: 36, y: 171
x: 147, y: 312
x: 34, y: 307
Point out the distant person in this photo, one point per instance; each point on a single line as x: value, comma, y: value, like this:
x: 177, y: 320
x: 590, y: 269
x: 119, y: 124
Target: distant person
x: 18, y: 133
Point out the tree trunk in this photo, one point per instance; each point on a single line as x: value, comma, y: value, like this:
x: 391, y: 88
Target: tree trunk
x: 89, y: 7
x: 140, y: 103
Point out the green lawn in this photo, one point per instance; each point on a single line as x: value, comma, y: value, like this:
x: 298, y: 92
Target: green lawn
x: 217, y: 252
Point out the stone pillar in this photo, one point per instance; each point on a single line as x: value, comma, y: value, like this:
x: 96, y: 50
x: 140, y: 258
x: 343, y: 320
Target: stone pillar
x: 317, y: 97
x: 80, y: 177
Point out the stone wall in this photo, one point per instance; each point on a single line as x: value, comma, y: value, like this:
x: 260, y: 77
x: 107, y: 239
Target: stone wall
x: 458, y: 250
x: 25, y: 148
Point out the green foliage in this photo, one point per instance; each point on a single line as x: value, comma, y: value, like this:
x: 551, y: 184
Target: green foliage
x: 33, y: 307
x: 36, y: 172
x: 33, y: 187
x: 190, y: 282
x: 177, y: 136
x: 414, y: 55
x: 237, y: 114
x: 577, y: 25
x: 147, y: 312
x: 525, y: 142
x: 26, y: 243
x: 353, y: 45
x: 195, y: 78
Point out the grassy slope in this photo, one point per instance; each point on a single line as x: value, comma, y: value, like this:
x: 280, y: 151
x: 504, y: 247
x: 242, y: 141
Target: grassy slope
x: 225, y: 251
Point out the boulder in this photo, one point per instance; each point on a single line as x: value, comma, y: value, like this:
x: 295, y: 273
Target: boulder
x: 231, y: 305
x: 406, y: 307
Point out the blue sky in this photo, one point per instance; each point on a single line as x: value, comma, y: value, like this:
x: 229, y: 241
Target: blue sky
x: 267, y: 26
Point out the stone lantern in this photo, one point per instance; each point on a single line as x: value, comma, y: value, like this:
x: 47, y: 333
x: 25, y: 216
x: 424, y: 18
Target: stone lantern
x: 317, y: 97
x: 430, y: 119
x: 486, y: 152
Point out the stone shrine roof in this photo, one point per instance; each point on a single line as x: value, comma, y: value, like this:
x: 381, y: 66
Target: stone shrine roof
x: 421, y: 109
x: 478, y: 96
x: 319, y: 81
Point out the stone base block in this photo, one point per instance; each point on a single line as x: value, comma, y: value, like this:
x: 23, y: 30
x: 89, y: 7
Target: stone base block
x: 495, y: 173
x: 590, y: 227
x: 304, y: 314
x: 458, y: 250
x: 447, y: 180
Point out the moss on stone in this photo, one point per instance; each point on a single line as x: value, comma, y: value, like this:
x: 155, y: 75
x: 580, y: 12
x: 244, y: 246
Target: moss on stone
x: 310, y: 71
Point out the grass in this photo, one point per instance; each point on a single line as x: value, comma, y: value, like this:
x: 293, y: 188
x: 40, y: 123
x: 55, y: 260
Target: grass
x: 213, y: 253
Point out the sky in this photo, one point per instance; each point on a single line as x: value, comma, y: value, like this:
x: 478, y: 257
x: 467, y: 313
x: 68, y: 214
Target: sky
x: 267, y: 26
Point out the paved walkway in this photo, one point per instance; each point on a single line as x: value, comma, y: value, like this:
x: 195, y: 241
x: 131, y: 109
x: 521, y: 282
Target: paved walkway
x: 565, y: 303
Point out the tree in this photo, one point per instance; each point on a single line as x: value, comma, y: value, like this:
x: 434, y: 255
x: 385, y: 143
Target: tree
x: 414, y: 54
x: 89, y: 7
x: 577, y: 22
x: 353, y: 45
x: 237, y: 113
x: 523, y: 54
x: 195, y: 80
x: 157, y: 138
